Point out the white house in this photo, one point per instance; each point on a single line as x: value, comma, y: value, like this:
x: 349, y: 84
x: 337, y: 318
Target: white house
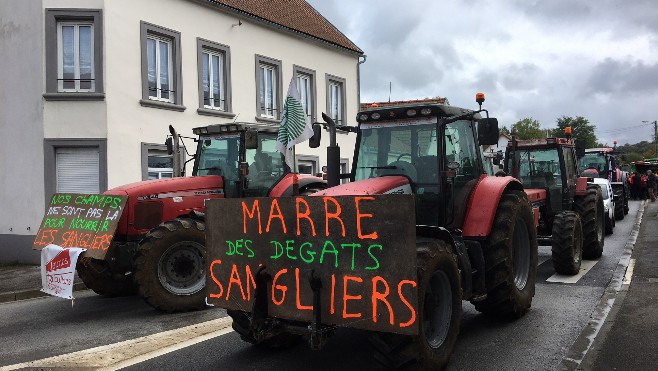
x: 89, y: 88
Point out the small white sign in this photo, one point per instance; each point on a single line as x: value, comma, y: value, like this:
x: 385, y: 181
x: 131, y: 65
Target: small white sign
x: 58, y: 270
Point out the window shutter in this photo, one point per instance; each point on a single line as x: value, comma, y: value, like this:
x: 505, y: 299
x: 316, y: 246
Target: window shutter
x: 77, y: 170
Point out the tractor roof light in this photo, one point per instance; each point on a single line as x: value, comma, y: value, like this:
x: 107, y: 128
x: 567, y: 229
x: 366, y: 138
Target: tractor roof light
x: 363, y: 117
x: 375, y: 116
x: 411, y: 112
x: 479, y: 98
x: 567, y: 130
x: 425, y: 111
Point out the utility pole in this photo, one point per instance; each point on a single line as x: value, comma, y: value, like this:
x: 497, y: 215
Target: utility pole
x: 655, y: 135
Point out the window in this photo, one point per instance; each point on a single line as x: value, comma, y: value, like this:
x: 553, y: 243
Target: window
x: 73, y: 54
x: 156, y: 163
x: 161, y: 68
x: 268, y: 80
x: 75, y: 166
x: 306, y: 87
x: 336, y: 99
x: 214, y: 79
x: 307, y: 164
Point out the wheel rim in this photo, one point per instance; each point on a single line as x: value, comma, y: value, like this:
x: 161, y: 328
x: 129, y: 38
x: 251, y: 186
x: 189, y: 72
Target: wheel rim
x: 181, y: 268
x: 521, y: 254
x: 438, y: 309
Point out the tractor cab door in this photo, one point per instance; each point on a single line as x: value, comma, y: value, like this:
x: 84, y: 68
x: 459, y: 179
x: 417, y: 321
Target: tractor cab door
x: 219, y: 154
x: 463, y: 168
x: 570, y: 176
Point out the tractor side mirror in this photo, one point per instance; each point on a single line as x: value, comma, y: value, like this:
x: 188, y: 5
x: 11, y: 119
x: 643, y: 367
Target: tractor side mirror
x: 488, y: 133
x: 251, y: 139
x: 170, y: 146
x: 580, y: 148
x: 497, y: 158
x: 314, y: 141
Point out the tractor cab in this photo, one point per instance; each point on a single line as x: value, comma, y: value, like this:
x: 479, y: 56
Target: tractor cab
x: 429, y: 150
x: 244, y: 155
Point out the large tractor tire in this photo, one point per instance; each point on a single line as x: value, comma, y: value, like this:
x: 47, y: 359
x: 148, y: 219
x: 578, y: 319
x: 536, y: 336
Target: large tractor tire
x: 241, y: 326
x: 510, y: 258
x: 439, y: 314
x: 170, y: 266
x: 96, y: 275
x: 591, y: 211
x: 610, y: 223
x: 620, y: 211
x: 567, y: 250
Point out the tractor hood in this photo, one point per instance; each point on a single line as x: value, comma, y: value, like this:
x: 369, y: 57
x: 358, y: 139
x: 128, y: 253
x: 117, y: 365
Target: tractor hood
x: 165, y: 187
x: 374, y: 186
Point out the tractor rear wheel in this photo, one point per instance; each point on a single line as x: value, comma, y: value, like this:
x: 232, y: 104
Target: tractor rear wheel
x: 590, y: 208
x: 620, y: 211
x: 567, y: 250
x: 439, y: 314
x: 97, y: 276
x: 510, y: 258
x: 170, y: 267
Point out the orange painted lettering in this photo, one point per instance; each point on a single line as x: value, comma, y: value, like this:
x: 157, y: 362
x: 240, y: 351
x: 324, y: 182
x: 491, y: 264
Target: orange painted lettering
x: 335, y: 215
x: 360, y: 215
x: 278, y: 215
x: 299, y: 304
x: 376, y: 295
x: 282, y: 288
x: 235, y: 278
x: 255, y: 212
x: 306, y: 215
x: 219, y: 284
x: 347, y: 297
x: 406, y: 302
x: 250, y: 279
x: 333, y: 293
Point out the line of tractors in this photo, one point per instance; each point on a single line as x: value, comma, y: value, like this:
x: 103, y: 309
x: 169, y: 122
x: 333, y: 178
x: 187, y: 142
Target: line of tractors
x: 476, y: 235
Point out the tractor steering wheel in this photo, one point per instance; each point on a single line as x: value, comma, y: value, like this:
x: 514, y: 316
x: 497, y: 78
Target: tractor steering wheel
x: 402, y: 155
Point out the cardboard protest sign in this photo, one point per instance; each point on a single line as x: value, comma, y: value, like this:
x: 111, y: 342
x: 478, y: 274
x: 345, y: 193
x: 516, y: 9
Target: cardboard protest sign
x: 81, y: 220
x: 362, y: 249
x: 58, y: 270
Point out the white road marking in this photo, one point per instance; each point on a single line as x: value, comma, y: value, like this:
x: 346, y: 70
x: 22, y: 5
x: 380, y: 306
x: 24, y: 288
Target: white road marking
x: 130, y: 352
x: 629, y: 273
x: 585, y: 267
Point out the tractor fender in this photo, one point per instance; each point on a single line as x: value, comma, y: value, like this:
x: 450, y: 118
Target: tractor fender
x: 483, y: 204
x: 285, y: 186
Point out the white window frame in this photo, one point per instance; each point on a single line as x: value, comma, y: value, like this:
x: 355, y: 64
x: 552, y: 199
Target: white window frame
x: 266, y: 110
x: 304, y: 86
x: 76, y: 57
x: 158, y: 69
x: 336, y: 99
x: 208, y: 55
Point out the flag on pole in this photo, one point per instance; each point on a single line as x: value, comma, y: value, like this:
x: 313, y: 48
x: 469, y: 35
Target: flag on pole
x: 294, y: 126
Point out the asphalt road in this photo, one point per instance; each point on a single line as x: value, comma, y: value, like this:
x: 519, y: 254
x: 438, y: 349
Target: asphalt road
x: 40, y: 328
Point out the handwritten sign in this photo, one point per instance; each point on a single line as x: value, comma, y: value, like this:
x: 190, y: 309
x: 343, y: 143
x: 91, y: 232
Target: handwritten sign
x: 81, y: 220
x: 362, y: 249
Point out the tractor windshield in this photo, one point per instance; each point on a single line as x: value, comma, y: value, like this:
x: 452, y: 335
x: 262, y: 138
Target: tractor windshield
x: 401, y: 147
x: 539, y: 168
x: 594, y: 161
x: 265, y: 166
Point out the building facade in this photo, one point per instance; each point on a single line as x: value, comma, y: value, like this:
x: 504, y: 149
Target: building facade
x: 91, y: 86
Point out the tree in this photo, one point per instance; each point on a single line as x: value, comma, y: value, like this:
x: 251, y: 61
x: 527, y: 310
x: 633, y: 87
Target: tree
x: 580, y: 129
x: 528, y: 128
x: 504, y: 130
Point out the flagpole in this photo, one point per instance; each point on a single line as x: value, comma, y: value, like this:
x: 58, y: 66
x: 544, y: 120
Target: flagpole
x: 295, y: 181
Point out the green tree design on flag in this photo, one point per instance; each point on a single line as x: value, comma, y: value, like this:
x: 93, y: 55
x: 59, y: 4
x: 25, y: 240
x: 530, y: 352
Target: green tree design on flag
x: 294, y: 127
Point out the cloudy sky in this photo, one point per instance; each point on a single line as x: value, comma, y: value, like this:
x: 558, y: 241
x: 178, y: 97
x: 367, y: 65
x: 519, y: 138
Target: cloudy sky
x: 541, y: 59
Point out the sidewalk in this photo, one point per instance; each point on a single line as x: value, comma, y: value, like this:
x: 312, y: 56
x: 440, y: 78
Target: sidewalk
x: 18, y: 282
x: 627, y: 340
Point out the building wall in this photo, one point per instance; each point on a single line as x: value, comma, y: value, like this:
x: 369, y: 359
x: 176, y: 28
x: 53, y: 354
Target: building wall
x: 130, y: 124
x: 28, y: 121
x: 21, y: 131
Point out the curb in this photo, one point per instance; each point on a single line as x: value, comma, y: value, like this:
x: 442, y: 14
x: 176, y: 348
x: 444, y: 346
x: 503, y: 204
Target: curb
x: 32, y: 293
x: 608, y: 305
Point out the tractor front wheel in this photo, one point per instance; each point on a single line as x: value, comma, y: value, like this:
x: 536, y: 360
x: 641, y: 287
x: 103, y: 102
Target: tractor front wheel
x: 510, y: 258
x: 567, y: 250
x: 439, y: 314
x: 170, y: 267
x: 98, y: 276
x: 590, y: 208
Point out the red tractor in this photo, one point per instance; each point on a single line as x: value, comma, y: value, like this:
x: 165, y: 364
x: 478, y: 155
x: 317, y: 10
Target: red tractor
x: 159, y: 246
x: 571, y: 211
x: 475, y: 235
